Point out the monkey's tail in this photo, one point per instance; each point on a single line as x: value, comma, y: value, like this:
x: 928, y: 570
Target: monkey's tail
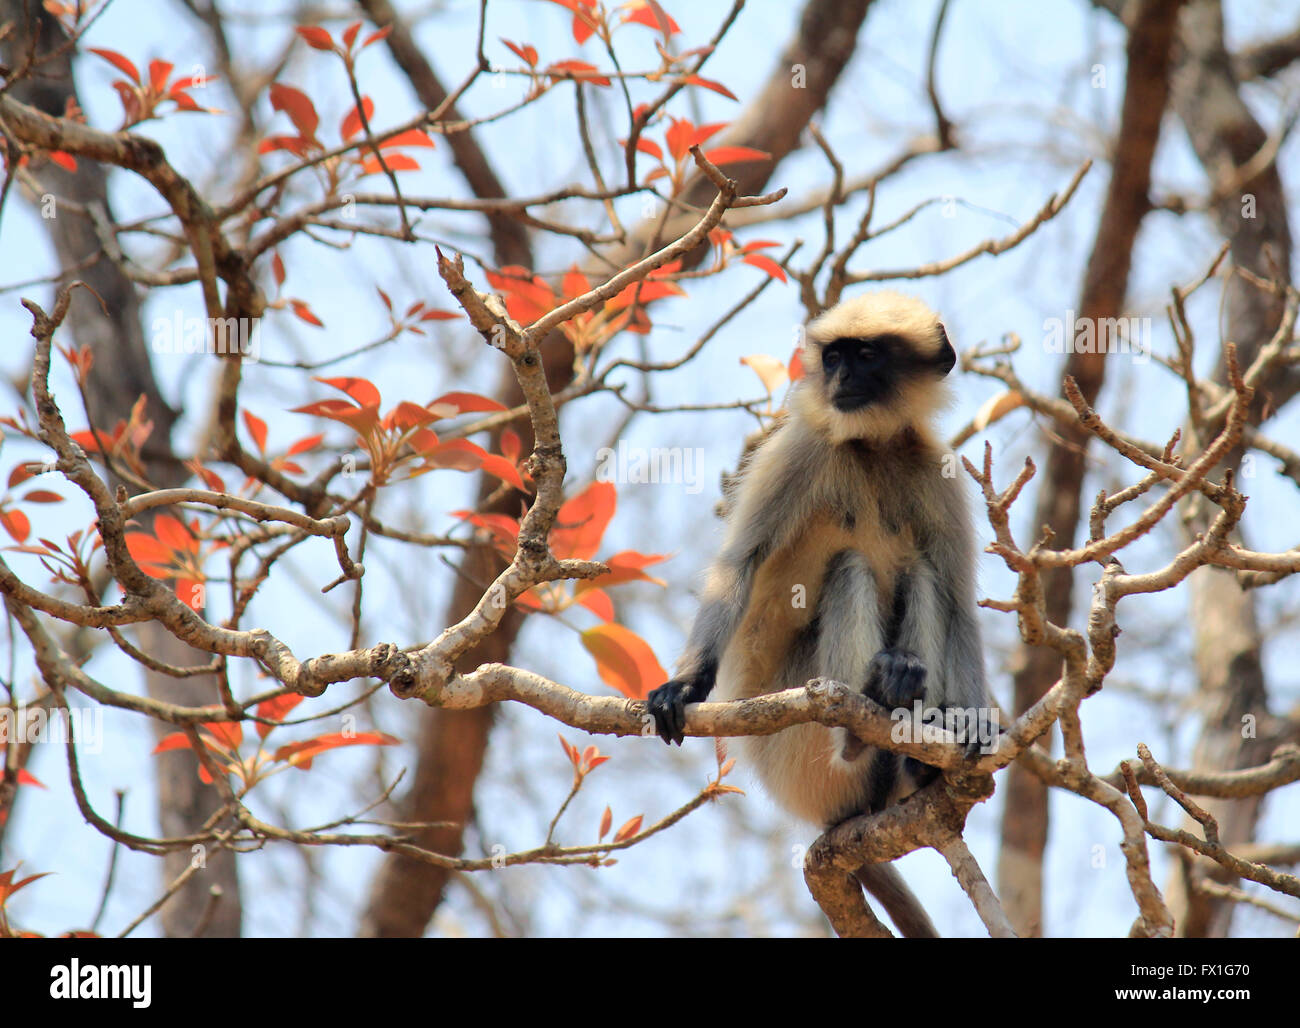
x: 887, y: 885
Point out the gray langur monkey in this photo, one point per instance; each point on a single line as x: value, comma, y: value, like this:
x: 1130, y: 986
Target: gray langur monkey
x: 846, y: 507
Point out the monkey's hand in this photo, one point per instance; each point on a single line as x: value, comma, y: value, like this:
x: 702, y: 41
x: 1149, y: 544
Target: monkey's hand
x: 895, y: 678
x: 667, y: 705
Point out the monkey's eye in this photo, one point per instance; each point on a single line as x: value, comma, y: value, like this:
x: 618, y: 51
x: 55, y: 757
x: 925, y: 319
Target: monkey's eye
x: 866, y: 352
x: 831, y: 359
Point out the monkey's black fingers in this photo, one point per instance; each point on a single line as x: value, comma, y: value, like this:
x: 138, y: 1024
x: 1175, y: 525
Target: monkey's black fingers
x: 896, y: 678
x: 668, y: 707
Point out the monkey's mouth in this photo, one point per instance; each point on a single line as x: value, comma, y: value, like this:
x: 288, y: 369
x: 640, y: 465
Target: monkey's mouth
x: 846, y: 402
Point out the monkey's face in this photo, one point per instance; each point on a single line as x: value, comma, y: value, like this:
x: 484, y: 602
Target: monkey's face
x: 860, y: 372
x: 874, y: 365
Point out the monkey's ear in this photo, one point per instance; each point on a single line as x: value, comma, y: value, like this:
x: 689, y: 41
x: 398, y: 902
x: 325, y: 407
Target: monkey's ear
x: 946, y: 356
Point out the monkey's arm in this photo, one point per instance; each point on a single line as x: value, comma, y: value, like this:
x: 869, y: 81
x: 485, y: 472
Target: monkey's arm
x: 722, y: 606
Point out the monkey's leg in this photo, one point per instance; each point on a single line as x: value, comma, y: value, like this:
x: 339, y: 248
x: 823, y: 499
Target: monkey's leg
x: 849, y: 629
x: 912, y: 668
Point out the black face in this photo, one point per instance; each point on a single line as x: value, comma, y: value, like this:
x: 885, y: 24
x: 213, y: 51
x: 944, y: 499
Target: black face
x: 864, y: 371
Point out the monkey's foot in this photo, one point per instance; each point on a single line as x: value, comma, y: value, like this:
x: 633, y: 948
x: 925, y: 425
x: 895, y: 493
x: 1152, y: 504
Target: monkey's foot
x: 896, y: 678
x: 667, y: 705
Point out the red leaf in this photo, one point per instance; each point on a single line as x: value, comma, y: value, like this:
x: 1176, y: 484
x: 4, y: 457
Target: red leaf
x: 172, y: 741
x: 351, y: 123
x: 606, y: 819
x: 360, y: 389
x: 580, y: 70
x: 119, y: 62
x: 226, y: 734
x: 411, y: 137
x: 159, y: 73
x: 21, y: 472
x: 759, y: 260
x: 277, y: 269
x: 582, y: 521
x: 257, y: 429
x: 304, y: 444
x: 350, y: 35
x: 575, y: 283
x: 651, y: 147
x: 392, y: 161
x: 504, y: 470
x: 598, y: 603
x: 301, y: 754
x: 679, y: 137
x: 294, y: 144
x: 459, y: 455
x: 511, y: 445
x: 172, y: 534
x: 316, y: 37
x: 376, y: 36
x: 25, y: 777
x: 275, y: 710
x: 735, y: 154
x: 525, y: 52
x: 652, y: 16
x: 64, y: 160
x: 624, y: 660
x: 717, y: 87
x: 305, y: 313
x: 298, y: 105
x: 42, y: 496
x: 152, y: 556
x: 629, y: 829
x: 437, y: 315
x: 16, y: 524
x: 570, y: 750
x: 466, y: 402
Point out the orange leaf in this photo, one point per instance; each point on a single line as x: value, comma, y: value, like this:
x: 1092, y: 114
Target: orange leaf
x: 304, y: 444
x: 652, y: 16
x: 411, y: 137
x: 316, y: 37
x: 606, y: 819
x: 350, y: 34
x: 629, y: 829
x: 582, y: 521
x: 522, y: 50
x: 119, y: 62
x: 301, y: 754
x: 64, y: 160
x: 735, y: 154
x: 42, y: 496
x: 305, y: 313
x: 624, y: 660
x: 296, y: 104
x: 351, y: 123
x: 376, y: 36
x: 504, y: 470
x: 766, y: 263
x: 16, y: 524
x: 598, y: 602
x: 226, y: 734
x: 275, y: 710
x: 25, y: 777
x: 467, y: 402
x: 159, y: 73
x: 393, y: 161
x: 256, y: 428
x: 717, y: 87
x: 580, y: 70
x: 174, y: 534
x: 172, y: 741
